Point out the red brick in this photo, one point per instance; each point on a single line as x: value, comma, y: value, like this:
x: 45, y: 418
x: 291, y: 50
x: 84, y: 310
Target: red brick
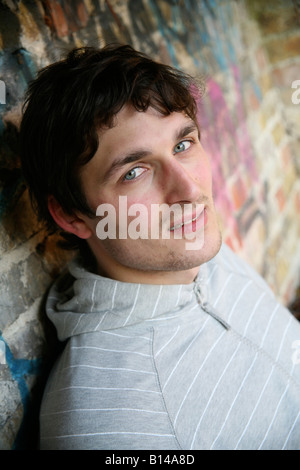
x: 261, y: 58
x: 239, y: 193
x: 280, y: 199
x: 284, y: 76
x: 55, y: 18
x: 297, y: 202
x: 82, y: 14
x: 286, y: 156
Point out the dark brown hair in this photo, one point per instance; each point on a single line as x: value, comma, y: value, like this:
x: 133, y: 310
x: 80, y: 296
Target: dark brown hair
x: 72, y: 99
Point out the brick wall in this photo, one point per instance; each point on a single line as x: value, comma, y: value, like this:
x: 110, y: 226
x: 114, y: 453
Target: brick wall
x: 275, y: 133
x: 249, y: 53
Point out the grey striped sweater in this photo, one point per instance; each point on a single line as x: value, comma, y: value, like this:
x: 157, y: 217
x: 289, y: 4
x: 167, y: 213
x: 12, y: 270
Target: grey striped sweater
x: 209, y: 365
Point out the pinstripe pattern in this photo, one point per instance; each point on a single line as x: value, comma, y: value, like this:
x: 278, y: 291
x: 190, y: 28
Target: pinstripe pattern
x: 200, y: 366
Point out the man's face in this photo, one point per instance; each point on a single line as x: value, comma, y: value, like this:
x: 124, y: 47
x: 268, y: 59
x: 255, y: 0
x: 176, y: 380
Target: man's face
x: 151, y: 159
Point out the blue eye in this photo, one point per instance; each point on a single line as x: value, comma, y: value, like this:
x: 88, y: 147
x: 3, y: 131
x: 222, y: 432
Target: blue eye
x: 134, y: 173
x: 181, y: 146
x: 130, y: 175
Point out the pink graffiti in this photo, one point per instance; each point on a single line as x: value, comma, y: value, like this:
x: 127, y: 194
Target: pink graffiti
x: 226, y: 139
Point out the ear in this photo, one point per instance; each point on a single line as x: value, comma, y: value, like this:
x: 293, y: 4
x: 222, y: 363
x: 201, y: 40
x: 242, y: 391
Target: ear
x: 70, y: 223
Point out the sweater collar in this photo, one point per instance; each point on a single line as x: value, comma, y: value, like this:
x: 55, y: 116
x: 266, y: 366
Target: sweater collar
x: 82, y: 301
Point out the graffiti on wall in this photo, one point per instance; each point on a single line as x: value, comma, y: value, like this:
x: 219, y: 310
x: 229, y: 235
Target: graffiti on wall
x: 20, y: 370
x: 200, y: 31
x: 227, y: 141
x: 197, y: 36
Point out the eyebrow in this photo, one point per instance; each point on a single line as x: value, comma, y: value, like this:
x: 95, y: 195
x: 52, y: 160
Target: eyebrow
x: 186, y: 130
x: 138, y: 154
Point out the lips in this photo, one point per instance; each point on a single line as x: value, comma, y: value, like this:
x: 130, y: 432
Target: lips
x: 189, y: 220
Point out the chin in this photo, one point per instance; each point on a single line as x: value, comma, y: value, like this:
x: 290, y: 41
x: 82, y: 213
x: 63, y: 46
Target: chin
x: 159, y: 255
x: 178, y: 258
x: 193, y: 258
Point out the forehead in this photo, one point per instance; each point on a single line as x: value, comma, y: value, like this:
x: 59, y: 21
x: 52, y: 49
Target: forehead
x: 133, y: 128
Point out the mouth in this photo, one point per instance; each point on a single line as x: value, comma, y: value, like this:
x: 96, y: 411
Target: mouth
x: 192, y: 221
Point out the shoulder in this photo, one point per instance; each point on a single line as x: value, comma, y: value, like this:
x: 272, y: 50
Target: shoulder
x: 103, y: 394
x: 245, y: 301
x: 230, y: 262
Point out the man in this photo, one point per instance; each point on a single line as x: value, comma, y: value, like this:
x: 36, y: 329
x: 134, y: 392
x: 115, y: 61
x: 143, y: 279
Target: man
x: 168, y: 345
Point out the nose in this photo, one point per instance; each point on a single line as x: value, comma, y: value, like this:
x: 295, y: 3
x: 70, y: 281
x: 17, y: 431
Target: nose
x: 179, y: 183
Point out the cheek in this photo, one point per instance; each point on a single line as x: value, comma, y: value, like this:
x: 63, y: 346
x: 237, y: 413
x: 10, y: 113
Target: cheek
x: 140, y: 208
x: 202, y: 174
x: 145, y: 198
x: 134, y: 209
